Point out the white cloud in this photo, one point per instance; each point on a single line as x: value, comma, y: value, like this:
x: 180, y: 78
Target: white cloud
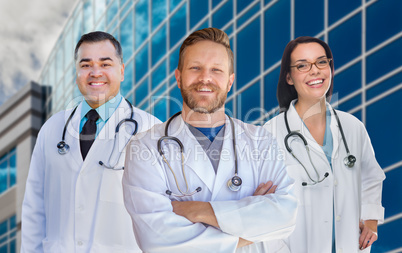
x: 28, y: 33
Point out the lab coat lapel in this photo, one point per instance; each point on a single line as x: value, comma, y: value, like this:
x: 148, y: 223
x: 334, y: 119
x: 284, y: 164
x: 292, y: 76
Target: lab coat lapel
x: 226, y: 167
x: 73, y: 135
x: 296, y: 124
x: 336, y: 135
x: 195, y: 157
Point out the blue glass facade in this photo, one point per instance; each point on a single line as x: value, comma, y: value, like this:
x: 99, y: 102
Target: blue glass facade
x: 364, y: 35
x: 8, y: 235
x: 8, y: 170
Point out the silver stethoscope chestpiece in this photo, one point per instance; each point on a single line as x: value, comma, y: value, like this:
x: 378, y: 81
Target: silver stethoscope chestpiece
x: 349, y: 161
x: 63, y: 148
x: 234, y: 183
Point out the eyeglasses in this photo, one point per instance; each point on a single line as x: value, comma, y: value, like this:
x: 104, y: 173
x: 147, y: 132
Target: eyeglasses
x: 306, y: 66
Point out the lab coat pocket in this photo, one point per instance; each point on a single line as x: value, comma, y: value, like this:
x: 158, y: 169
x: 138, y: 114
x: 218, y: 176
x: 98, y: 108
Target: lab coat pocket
x: 111, y: 187
x: 50, y: 246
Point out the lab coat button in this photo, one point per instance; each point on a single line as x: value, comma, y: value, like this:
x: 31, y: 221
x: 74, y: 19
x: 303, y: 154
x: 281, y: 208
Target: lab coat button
x: 79, y: 243
x: 80, y: 208
x: 339, y: 251
x: 338, y: 218
x: 335, y: 182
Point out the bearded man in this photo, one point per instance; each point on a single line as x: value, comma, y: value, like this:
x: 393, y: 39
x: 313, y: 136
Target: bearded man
x: 202, y: 181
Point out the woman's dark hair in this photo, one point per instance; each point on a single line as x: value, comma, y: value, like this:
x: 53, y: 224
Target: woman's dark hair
x: 285, y: 92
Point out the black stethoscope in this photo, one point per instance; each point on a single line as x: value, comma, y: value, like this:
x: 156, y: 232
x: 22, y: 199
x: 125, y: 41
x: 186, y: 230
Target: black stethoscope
x: 64, y: 148
x: 234, y: 184
x: 349, y: 160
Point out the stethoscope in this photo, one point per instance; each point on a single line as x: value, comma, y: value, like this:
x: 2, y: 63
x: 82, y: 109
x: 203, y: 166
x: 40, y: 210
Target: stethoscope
x: 234, y: 184
x: 349, y: 160
x: 64, y: 148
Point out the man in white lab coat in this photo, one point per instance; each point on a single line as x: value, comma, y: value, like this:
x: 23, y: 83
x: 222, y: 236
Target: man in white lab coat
x: 228, y: 191
x: 74, y: 200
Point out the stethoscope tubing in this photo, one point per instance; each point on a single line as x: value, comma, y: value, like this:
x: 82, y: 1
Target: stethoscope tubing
x: 63, y: 147
x: 234, y: 184
x: 349, y: 160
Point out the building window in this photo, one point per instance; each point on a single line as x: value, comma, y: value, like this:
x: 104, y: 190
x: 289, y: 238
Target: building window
x: 8, y: 235
x: 8, y: 170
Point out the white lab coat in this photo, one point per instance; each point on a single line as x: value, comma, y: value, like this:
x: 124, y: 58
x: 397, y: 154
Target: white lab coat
x: 356, y: 191
x: 239, y: 214
x: 75, y: 206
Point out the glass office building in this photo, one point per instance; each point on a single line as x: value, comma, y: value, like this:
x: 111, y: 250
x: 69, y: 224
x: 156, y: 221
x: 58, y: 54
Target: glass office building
x: 365, y: 37
x: 8, y: 227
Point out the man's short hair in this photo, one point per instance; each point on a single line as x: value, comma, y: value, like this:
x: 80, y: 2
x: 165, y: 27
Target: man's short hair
x: 209, y: 34
x: 98, y: 36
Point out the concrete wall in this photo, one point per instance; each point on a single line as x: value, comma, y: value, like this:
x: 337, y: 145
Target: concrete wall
x: 20, y: 121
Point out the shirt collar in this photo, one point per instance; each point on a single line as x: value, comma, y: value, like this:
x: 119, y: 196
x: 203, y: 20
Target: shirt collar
x: 105, y: 110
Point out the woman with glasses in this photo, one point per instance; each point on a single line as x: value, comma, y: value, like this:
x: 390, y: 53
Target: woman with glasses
x: 329, y: 154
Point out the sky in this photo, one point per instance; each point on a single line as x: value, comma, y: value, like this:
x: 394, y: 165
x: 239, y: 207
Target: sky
x: 29, y: 29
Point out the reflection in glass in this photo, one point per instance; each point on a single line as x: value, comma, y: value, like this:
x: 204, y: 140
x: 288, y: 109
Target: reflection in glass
x: 159, y: 109
x: 141, y: 63
x: 270, y: 84
x: 126, y: 36
x: 384, y: 124
x: 3, y: 229
x: 380, y: 29
x: 101, y: 25
x: 276, y: 37
x: 178, y: 26
x: 248, y: 53
x: 159, y: 45
x: 127, y: 84
x: 242, y: 4
x: 88, y: 23
x: 99, y: 9
x: 141, y: 22
x: 198, y: 10
x: 304, y: 10
x: 159, y: 75
x: 248, y: 107
x: 122, y: 2
x: 223, y: 16
x: 384, y: 61
x: 68, y: 47
x: 159, y: 12
x: 175, y: 100
x: 248, y: 14
x: 3, y: 176
x: 174, y: 59
x: 173, y: 4
x: 141, y: 92
x: 384, y: 86
x: 345, y: 50
x: 111, y: 12
x: 112, y: 26
x: 347, y: 81
x: 7, y: 236
x: 77, y: 27
x: 337, y: 9
x: 59, y: 63
x: 13, y: 169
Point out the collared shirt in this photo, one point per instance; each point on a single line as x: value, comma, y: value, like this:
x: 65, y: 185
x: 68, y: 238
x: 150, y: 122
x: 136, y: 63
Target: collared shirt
x: 104, y: 111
